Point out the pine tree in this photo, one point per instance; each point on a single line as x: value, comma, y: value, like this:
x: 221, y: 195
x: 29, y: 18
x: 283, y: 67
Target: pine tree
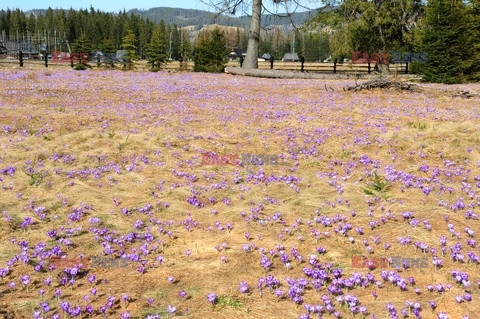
x: 210, y: 53
x: 157, y: 49
x: 441, y: 38
x: 129, y: 45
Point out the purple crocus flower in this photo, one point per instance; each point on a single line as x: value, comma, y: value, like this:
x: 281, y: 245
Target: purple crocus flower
x: 45, y: 307
x: 171, y: 309
x: 65, y: 306
x: 25, y: 280
x: 243, y: 287
x: 89, y: 309
x: 211, y: 297
x: 75, y: 311
x: 47, y: 281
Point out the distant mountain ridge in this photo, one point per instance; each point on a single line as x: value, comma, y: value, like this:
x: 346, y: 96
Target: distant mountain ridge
x: 189, y: 17
x: 192, y: 17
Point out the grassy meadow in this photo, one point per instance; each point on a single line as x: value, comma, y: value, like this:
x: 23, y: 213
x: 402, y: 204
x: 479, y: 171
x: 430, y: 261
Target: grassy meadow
x: 109, y: 163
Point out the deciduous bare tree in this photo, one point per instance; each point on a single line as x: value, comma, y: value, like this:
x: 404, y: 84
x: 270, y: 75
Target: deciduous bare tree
x: 288, y: 7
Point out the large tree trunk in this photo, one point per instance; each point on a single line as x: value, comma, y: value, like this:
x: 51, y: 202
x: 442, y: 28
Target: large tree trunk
x: 251, y: 60
x: 383, y: 69
x: 285, y: 74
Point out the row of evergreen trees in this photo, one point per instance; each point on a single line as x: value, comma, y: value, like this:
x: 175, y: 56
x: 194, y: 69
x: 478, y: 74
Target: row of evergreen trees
x: 106, y: 31
x: 103, y: 30
x: 312, y: 45
x: 448, y: 30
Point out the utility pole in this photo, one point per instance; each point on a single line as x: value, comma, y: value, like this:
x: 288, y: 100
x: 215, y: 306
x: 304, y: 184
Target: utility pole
x: 68, y: 46
x: 181, y: 43
x: 170, y: 45
x: 293, y: 47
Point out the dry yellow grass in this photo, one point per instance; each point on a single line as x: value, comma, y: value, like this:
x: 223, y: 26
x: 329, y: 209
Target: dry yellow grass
x: 107, y: 118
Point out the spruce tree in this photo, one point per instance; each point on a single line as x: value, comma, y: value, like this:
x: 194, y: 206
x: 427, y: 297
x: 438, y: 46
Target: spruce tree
x: 441, y: 37
x: 471, y: 45
x: 185, y: 47
x: 81, y: 50
x: 128, y: 45
x: 210, y: 53
x: 109, y: 50
x: 82, y: 45
x: 157, y: 49
x: 176, y: 42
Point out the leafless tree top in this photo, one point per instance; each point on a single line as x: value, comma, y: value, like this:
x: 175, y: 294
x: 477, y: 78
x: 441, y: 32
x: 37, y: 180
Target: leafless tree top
x: 281, y: 8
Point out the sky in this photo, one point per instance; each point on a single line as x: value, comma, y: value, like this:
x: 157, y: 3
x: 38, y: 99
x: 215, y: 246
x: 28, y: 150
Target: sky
x: 104, y: 5
x: 114, y: 5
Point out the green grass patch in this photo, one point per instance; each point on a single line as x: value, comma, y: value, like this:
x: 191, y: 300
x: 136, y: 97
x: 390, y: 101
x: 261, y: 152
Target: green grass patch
x: 228, y: 301
x: 378, y: 186
x: 417, y: 125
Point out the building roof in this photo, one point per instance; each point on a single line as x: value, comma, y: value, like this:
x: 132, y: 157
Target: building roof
x: 238, y: 52
x: 266, y: 56
x: 291, y: 57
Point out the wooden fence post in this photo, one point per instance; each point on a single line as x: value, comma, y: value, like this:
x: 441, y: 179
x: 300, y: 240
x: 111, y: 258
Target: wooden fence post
x: 20, y: 57
x: 335, y: 66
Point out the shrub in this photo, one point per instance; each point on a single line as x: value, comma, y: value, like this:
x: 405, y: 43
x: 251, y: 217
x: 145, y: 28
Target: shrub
x: 210, y: 53
x: 81, y: 66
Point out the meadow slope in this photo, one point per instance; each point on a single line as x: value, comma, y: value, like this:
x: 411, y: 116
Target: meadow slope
x: 109, y: 163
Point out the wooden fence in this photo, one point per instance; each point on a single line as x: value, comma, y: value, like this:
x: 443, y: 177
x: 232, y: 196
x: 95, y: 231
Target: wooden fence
x: 11, y: 59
